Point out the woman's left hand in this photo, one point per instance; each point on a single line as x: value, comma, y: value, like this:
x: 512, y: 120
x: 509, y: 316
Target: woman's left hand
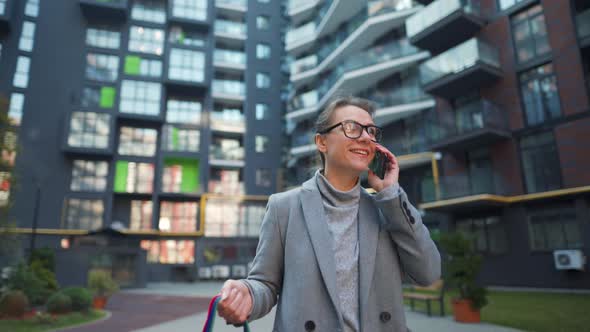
x: 391, y: 173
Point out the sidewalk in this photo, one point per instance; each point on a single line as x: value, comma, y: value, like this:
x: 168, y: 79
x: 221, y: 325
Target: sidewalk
x: 417, y: 322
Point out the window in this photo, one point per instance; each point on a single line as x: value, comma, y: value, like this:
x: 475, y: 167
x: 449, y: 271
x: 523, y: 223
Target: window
x: 262, y: 112
x: 139, y: 97
x: 540, y: 95
x: 103, y: 38
x: 146, y: 40
x: 15, y: 110
x: 135, y: 65
x: 169, y: 251
x: 149, y: 10
x: 102, y: 67
x: 141, y: 215
x: 262, y: 22
x: 261, y: 143
x: 489, y: 234
x: 505, y: 4
x: 554, y: 227
x: 21, y: 74
x: 180, y: 139
x: 88, y: 175
x: 226, y: 181
x: 180, y: 175
x: 132, y: 177
x: 540, y: 163
x: 262, y: 51
x: 223, y: 148
x: 32, y: 8
x: 186, y: 65
x: 263, y: 177
x: 262, y: 80
x: 190, y: 9
x: 530, y: 34
x: 138, y: 141
x: 83, y: 213
x: 8, y: 144
x: 180, y: 36
x: 228, y: 218
x: 4, y: 188
x: 89, y: 130
x: 27, y: 37
x: 103, y: 97
x: 2, y: 6
x: 178, y: 216
x: 183, y: 111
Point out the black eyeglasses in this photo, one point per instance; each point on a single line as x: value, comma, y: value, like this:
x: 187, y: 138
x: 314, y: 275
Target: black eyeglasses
x: 354, y: 130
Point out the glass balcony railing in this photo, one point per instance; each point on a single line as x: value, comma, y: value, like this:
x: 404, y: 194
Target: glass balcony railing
x: 302, y: 139
x: 232, y: 3
x: 295, y: 5
x: 304, y: 100
x: 303, y: 64
x: 229, y: 120
x: 409, y: 92
x: 458, y: 59
x: 301, y: 32
x: 436, y: 12
x: 229, y: 57
x: 226, y: 187
x: 109, y: 2
x: 230, y: 28
x: 378, y: 7
x: 228, y: 87
x: 583, y: 24
x: 479, y: 181
x: 224, y: 153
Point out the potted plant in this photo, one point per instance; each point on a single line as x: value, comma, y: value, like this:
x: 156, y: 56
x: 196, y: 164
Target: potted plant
x: 102, y: 286
x: 462, y: 266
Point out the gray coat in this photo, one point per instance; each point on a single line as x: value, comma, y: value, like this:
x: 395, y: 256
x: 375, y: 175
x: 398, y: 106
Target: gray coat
x: 294, y: 262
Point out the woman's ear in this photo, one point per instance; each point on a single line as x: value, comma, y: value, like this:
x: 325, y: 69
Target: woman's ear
x: 320, y: 142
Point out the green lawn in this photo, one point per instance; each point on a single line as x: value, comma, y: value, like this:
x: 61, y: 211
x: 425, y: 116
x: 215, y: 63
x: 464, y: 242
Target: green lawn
x: 535, y: 312
x: 31, y: 325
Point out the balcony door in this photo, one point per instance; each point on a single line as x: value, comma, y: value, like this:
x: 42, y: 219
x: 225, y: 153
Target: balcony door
x: 481, y: 179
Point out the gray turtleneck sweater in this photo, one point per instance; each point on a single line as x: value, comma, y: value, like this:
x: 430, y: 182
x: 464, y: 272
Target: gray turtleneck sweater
x: 342, y: 215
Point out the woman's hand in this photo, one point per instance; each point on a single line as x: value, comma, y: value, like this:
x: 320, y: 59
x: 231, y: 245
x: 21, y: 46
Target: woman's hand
x: 391, y: 172
x: 236, y: 302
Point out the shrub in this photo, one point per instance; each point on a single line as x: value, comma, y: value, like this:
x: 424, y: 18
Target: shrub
x: 81, y: 298
x: 44, y: 318
x: 45, y: 257
x: 23, y: 278
x: 101, y: 283
x: 59, y: 303
x: 46, y: 276
x: 13, y: 303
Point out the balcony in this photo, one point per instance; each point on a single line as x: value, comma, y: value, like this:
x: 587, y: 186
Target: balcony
x: 465, y: 67
x: 333, y: 13
x: 231, y: 7
x: 109, y: 10
x: 300, y: 36
x: 583, y: 27
x: 229, y: 60
x: 477, y: 124
x: 304, y: 64
x: 5, y: 15
x: 404, y: 101
x: 230, y: 32
x: 228, y: 91
x: 301, y: 10
x: 302, y: 144
x: 444, y: 23
x: 231, y: 121
x: 226, y: 156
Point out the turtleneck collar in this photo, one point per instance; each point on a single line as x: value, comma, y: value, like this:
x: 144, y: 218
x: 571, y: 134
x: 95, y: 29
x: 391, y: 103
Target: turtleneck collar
x: 334, y: 196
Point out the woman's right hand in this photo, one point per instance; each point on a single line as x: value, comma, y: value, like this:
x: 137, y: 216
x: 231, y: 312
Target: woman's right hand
x: 236, y: 302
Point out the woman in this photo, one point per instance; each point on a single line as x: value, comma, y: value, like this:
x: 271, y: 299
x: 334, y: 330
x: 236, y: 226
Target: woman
x: 331, y: 254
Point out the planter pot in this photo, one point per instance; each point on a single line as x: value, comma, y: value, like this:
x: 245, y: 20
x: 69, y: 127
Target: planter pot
x: 99, y: 302
x: 464, y: 313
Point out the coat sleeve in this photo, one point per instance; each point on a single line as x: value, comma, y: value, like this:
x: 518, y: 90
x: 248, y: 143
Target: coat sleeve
x: 266, y: 276
x: 418, y: 254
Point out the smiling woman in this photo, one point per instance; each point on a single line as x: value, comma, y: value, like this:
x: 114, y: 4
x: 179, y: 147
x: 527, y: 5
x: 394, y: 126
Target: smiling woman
x: 335, y: 253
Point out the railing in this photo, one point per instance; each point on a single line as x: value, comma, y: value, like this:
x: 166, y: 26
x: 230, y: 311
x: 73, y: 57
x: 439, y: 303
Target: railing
x: 227, y: 56
x: 232, y: 3
x: 477, y: 115
x: 583, y: 23
x: 302, y: 139
x: 231, y: 217
x: 229, y: 87
x: 227, y: 188
x: 304, y: 100
x: 111, y: 2
x: 301, y: 32
x: 221, y: 153
x: 230, y: 120
x: 409, y: 91
x: 458, y: 59
x: 437, y: 11
x: 294, y: 5
x: 230, y: 28
x: 478, y: 182
x: 304, y: 64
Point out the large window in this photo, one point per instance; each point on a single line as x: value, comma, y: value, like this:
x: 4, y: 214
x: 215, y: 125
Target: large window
x: 141, y: 215
x: 178, y: 216
x: 89, y: 130
x: 146, y: 40
x: 228, y: 218
x: 83, y: 213
x: 262, y: 112
x: 102, y: 67
x: 135, y: 65
x: 186, y: 65
x: 94, y: 96
x: 530, y: 34
x: 89, y: 175
x: 139, y: 97
x: 137, y: 141
x: 489, y: 234
x: 132, y: 177
x: 27, y: 37
x: 180, y: 139
x: 104, y: 38
x: 15, y: 110
x: 540, y: 163
x: 181, y: 175
x: 262, y: 80
x: 32, y: 8
x: 21, y: 74
x: 190, y: 9
x: 183, y: 111
x: 262, y: 22
x: 182, y: 36
x: 226, y: 181
x: 169, y: 251
x: 262, y: 51
x: 540, y: 94
x: 552, y: 228
x: 261, y: 143
x: 149, y: 10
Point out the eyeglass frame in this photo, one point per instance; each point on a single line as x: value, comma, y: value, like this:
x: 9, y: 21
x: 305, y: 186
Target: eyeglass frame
x: 366, y: 128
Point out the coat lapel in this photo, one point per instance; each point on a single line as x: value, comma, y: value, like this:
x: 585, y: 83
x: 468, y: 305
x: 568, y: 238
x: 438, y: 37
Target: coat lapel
x: 321, y: 240
x: 368, y: 237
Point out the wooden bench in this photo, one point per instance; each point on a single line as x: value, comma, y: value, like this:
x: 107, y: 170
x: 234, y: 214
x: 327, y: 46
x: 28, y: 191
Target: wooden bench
x: 436, y: 293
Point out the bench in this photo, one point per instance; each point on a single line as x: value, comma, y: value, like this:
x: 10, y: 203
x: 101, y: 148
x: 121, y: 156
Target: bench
x: 436, y: 293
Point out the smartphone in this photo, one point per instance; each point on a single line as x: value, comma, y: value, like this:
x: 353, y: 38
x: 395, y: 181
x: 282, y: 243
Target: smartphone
x: 379, y: 164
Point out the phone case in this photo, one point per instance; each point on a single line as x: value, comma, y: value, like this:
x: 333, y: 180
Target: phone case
x: 378, y: 164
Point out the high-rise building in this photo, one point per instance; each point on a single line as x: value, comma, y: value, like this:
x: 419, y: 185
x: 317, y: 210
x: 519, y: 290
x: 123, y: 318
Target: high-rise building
x: 484, y: 102
x: 132, y: 117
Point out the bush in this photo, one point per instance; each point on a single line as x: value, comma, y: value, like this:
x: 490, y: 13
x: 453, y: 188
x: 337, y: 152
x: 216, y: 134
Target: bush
x: 81, y: 298
x: 24, y: 279
x: 13, y: 304
x: 59, y: 303
x: 46, y: 276
x: 45, y: 257
x: 101, y: 283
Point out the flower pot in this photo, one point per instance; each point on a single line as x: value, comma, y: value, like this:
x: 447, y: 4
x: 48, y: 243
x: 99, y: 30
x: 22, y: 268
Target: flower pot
x: 99, y: 302
x: 464, y: 313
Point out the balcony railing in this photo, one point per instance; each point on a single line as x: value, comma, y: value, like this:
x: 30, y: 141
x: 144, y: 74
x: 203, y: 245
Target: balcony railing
x: 238, y: 4
x: 302, y: 139
x: 226, y: 187
x: 105, y: 9
x: 235, y: 58
x: 304, y: 64
x: 437, y: 12
x: 228, y: 87
x: 230, y: 28
x: 223, y: 153
x: 305, y: 31
x: 233, y: 121
x: 409, y: 92
x: 295, y: 5
x: 478, y: 182
x: 304, y: 100
x: 583, y: 24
